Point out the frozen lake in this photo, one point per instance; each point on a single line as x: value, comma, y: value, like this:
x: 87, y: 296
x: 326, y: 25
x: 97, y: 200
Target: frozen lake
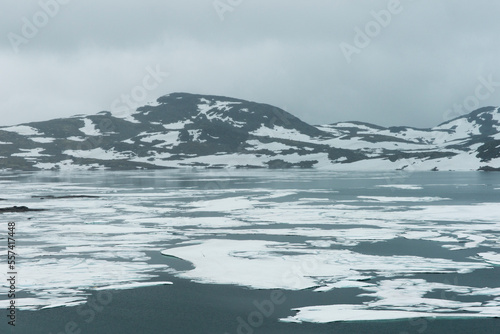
x: 244, y: 251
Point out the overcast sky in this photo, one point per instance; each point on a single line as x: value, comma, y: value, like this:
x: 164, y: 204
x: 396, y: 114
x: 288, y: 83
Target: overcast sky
x: 415, y: 63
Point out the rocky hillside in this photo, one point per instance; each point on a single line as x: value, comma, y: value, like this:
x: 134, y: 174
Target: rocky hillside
x: 187, y: 130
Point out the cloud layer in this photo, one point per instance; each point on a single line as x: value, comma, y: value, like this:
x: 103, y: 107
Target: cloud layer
x: 415, y: 63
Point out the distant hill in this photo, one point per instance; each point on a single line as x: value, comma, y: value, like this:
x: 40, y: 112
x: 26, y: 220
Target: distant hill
x: 188, y: 130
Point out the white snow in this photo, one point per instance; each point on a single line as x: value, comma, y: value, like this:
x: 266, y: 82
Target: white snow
x: 491, y: 257
x: 99, y: 153
x: 244, y: 262
x: 388, y: 199
x: 460, y: 128
x: 195, y: 134
x: 56, y: 280
x: 219, y: 105
x: 67, y: 165
x: 400, y: 299
x: 33, y: 153
x: 343, y: 312
x: 73, y: 138
x: 223, y: 205
x: 170, y: 138
x: 401, y: 186
x: 178, y: 125
x: 280, y: 132
x: 127, y: 114
x: 104, y: 243
x: 23, y: 130
x: 133, y: 285
x: 42, y: 140
x: 89, y: 129
x: 275, y: 147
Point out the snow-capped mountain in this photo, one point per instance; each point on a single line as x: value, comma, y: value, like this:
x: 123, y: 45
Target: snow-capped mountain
x: 187, y: 130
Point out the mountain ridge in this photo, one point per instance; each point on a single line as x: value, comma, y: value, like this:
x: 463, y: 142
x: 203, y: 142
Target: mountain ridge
x: 193, y: 130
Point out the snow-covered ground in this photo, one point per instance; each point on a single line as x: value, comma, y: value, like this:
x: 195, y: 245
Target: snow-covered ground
x: 185, y: 130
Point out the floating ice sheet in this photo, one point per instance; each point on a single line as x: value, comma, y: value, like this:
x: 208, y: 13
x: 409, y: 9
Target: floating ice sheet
x: 273, y: 265
x: 247, y: 233
x: 401, y: 299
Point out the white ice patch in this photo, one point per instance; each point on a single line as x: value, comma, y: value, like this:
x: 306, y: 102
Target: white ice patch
x: 217, y: 110
x: 387, y: 199
x: 223, y: 205
x: 84, y: 244
x: 132, y: 285
x: 54, y: 280
x: 491, y: 257
x: 343, y: 237
x: 352, y: 312
x: 401, y: 186
x: 417, y: 235
x: 274, y: 265
x: 214, y: 228
x: 33, y: 304
x: 400, y: 299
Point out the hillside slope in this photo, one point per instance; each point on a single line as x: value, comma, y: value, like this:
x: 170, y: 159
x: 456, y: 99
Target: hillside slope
x: 188, y: 130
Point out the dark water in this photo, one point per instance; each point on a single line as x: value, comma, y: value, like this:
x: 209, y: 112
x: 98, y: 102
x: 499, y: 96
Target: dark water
x: 197, y: 308
x: 189, y: 307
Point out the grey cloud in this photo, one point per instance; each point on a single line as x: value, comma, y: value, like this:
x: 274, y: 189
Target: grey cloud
x: 429, y: 58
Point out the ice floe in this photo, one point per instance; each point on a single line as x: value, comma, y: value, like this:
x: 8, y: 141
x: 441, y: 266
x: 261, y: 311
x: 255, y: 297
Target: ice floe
x: 353, y: 312
x: 401, y: 186
x: 234, y: 228
x: 402, y: 299
x: 54, y: 280
x: 402, y: 199
x: 269, y: 265
x: 132, y: 285
x: 491, y: 257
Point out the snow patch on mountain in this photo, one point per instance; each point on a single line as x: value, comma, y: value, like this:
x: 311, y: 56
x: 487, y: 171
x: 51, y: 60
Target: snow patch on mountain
x: 99, y: 153
x: 42, y: 140
x: 280, y: 132
x: 33, y: 153
x: 177, y: 125
x: 89, y: 129
x: 186, y: 130
x: 23, y: 130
